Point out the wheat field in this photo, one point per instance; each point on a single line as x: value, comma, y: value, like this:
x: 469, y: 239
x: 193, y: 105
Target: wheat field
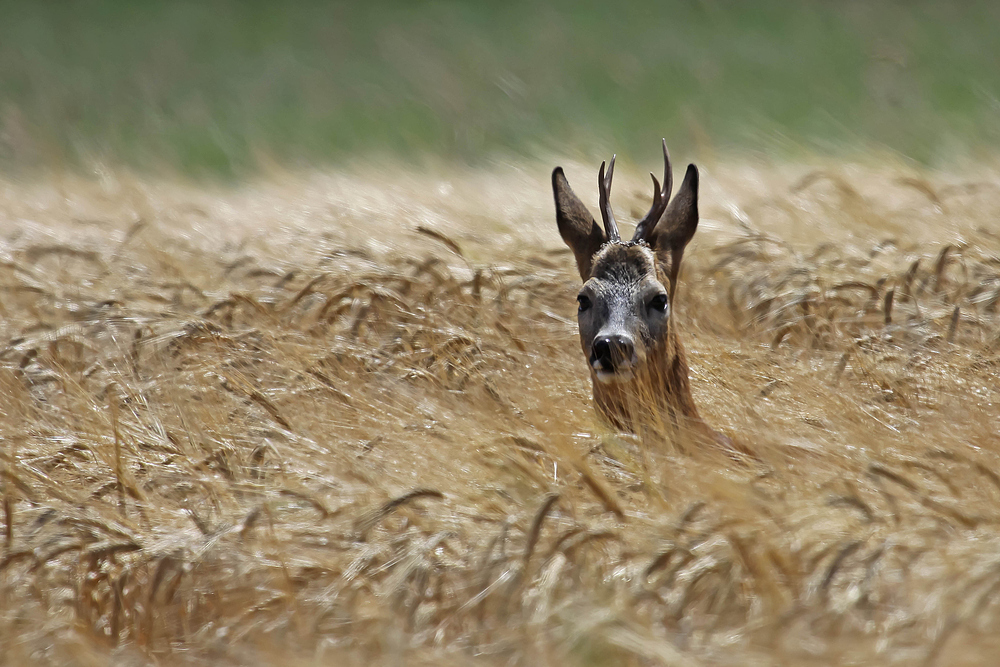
x: 343, y: 418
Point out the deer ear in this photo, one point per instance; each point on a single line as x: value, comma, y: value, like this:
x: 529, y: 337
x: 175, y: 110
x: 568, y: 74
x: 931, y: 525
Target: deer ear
x: 676, y: 227
x: 576, y: 225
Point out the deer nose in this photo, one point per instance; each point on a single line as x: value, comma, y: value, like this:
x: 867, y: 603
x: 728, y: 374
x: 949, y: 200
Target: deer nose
x: 610, y: 351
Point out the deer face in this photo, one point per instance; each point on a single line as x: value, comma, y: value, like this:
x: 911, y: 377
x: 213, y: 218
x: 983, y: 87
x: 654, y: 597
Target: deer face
x: 628, y: 288
x: 624, y: 311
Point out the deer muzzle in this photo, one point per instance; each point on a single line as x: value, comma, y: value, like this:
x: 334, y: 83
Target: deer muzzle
x: 613, y: 358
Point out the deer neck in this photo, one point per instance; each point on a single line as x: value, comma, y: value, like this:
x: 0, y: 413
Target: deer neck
x: 660, y: 393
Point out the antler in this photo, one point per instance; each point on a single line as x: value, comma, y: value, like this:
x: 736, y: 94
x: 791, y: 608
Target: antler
x: 604, y: 185
x: 660, y: 199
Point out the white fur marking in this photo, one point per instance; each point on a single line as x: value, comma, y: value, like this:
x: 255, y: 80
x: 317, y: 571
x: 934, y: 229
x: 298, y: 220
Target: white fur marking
x: 612, y: 377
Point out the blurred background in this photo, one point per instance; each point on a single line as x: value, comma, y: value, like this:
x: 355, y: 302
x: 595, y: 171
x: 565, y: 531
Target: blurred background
x: 225, y: 89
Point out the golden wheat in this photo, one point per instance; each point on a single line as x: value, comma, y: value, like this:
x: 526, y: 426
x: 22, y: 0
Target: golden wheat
x: 318, y: 419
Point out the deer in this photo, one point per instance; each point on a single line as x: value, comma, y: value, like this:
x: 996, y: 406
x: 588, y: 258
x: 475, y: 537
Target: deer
x: 629, y: 336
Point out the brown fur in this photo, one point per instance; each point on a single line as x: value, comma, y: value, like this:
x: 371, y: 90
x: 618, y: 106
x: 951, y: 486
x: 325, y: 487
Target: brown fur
x: 662, y: 382
x: 655, y: 391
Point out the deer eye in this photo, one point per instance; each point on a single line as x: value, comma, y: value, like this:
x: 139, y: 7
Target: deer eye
x: 658, y: 303
x: 584, y: 302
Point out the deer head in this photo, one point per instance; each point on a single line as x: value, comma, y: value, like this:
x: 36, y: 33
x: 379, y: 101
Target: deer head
x: 628, y: 289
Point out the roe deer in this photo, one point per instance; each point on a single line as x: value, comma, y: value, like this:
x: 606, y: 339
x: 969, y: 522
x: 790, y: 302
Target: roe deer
x: 636, y: 359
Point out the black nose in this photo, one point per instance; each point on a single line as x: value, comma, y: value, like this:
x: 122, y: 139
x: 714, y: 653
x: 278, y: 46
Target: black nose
x: 612, y: 350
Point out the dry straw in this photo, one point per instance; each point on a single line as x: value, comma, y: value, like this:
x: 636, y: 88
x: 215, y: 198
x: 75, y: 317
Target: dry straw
x: 321, y: 421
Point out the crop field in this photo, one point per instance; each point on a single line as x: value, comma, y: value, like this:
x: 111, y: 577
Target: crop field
x: 322, y: 418
x: 289, y: 366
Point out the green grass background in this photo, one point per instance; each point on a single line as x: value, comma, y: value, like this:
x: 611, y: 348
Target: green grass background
x: 225, y: 88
